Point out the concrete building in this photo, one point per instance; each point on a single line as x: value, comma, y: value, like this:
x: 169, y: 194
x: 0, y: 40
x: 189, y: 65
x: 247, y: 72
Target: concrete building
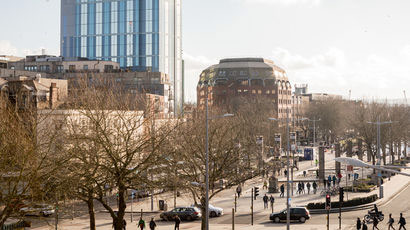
x: 4, y: 60
x: 33, y: 92
x: 246, y: 78
x: 54, y: 65
x: 139, y: 35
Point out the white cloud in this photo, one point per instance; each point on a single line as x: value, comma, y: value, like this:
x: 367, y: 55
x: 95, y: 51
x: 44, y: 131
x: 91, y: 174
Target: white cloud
x: 7, y: 48
x: 194, y: 65
x: 331, y: 72
x: 283, y: 2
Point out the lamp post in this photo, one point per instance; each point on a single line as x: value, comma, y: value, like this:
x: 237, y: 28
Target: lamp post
x: 287, y: 169
x: 378, y: 124
x: 207, y: 119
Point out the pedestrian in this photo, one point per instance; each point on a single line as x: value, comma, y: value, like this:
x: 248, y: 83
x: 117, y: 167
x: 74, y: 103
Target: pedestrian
x: 265, y: 201
x: 239, y: 190
x: 402, y: 222
x: 348, y: 176
x: 272, y: 200
x: 265, y: 184
x: 364, y: 225
x: 124, y: 224
x: 324, y: 183
x: 358, y: 224
x: 152, y: 224
x: 299, y: 188
x: 304, y: 173
x: 286, y: 172
x: 282, y: 190
x: 141, y: 224
x: 314, y: 187
x: 375, y: 222
x: 391, y: 221
x: 334, y: 180
x: 177, y: 222
x: 303, y: 187
x: 308, y: 187
x: 329, y: 179
x: 316, y: 162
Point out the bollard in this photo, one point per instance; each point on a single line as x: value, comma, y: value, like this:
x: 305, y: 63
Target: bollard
x: 233, y: 219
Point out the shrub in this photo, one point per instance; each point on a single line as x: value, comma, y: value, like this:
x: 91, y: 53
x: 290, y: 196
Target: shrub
x: 353, y: 202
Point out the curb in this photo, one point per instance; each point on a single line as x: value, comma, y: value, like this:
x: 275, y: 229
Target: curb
x: 344, y: 209
x: 134, y: 212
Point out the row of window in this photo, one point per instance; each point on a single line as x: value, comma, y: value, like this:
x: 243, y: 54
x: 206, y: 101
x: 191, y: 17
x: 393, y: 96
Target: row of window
x: 223, y: 73
x: 283, y: 101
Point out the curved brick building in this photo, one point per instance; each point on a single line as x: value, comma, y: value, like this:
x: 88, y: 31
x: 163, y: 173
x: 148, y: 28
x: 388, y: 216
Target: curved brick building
x: 243, y: 78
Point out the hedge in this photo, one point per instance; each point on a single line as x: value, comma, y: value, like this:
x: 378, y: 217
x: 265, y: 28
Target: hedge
x: 353, y: 202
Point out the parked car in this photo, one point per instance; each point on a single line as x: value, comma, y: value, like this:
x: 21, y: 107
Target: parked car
x: 185, y: 213
x: 300, y: 214
x: 213, y: 211
x: 38, y: 210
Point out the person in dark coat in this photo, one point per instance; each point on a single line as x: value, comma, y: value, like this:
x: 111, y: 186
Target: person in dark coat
x: 358, y: 224
x: 391, y: 221
x: 272, y: 200
x: 282, y: 190
x: 239, y: 190
x: 177, y: 222
x: 375, y: 223
x: 314, y: 187
x: 265, y: 201
x: 402, y: 222
x: 152, y: 224
x: 364, y: 225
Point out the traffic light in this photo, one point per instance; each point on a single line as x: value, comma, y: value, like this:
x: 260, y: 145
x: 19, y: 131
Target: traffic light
x: 256, y: 192
x: 341, y: 194
x: 328, y: 206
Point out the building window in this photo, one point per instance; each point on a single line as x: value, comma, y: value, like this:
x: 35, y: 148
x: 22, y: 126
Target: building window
x: 267, y: 91
x: 60, y: 69
x: 222, y: 73
x: 71, y: 67
x: 85, y: 67
x: 259, y: 91
x: 232, y: 73
x: 254, y: 91
x: 243, y: 73
x: 44, y: 68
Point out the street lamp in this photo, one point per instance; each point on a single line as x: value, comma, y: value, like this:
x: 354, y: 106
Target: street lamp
x: 207, y: 119
x: 378, y: 124
x: 287, y: 169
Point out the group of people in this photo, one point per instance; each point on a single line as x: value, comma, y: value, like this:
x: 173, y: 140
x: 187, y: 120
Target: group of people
x: 152, y: 224
x: 361, y: 225
x: 267, y: 199
x: 335, y: 179
x: 301, y: 187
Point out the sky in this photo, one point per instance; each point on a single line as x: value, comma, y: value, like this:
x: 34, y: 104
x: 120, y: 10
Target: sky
x: 332, y: 45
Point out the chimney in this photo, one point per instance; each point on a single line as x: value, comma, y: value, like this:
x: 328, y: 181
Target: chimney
x: 53, y: 95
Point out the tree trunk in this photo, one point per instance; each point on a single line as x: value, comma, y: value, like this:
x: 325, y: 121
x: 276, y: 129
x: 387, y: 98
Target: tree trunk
x: 384, y: 154
x: 203, y: 218
x: 91, y: 213
x: 119, y: 220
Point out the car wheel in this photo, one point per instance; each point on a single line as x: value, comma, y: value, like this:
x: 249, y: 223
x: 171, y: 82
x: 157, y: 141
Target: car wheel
x: 213, y: 214
x: 302, y: 219
x: 277, y: 220
x: 189, y: 218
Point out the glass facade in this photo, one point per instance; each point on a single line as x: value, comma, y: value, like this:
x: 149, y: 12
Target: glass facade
x: 141, y: 35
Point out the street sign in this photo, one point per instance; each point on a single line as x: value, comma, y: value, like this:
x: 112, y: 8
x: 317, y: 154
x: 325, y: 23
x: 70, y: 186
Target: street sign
x: 350, y: 168
x: 292, y: 135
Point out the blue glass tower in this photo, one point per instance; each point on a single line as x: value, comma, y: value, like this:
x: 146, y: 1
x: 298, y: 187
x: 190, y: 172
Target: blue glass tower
x: 142, y: 35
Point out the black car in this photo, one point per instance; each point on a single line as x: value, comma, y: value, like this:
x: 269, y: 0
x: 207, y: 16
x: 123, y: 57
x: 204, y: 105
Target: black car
x: 300, y: 214
x: 184, y: 213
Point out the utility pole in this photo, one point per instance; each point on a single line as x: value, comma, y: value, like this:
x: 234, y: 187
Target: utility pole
x: 378, y: 123
x: 252, y: 207
x: 287, y: 174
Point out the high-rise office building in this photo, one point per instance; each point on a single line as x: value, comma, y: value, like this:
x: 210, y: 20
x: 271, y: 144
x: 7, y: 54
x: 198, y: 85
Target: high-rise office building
x: 141, y: 35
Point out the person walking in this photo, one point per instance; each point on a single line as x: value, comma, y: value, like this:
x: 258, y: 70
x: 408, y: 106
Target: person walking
x: 141, y: 224
x: 314, y: 187
x: 304, y: 173
x: 375, y: 222
x: 282, y: 190
x: 177, y: 222
x: 299, y: 188
x: 324, y: 183
x: 402, y: 222
x: 364, y: 225
x: 124, y: 224
x: 391, y: 221
x: 358, y: 224
x: 308, y: 187
x: 303, y: 187
x: 272, y: 200
x: 152, y: 224
x: 265, y: 201
x: 239, y: 190
x: 334, y: 180
x: 286, y: 172
x: 265, y: 184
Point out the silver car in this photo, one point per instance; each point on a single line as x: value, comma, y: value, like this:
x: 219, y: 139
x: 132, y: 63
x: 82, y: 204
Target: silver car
x: 38, y: 210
